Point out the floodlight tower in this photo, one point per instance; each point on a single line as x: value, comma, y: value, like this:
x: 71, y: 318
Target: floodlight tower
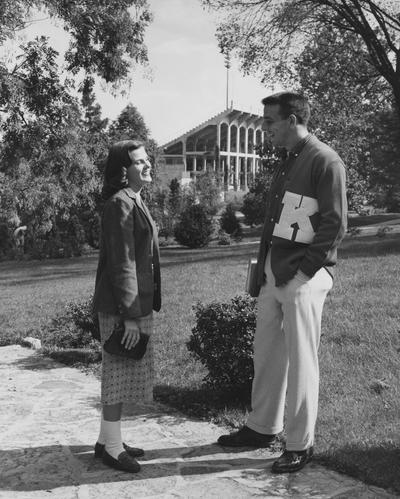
x: 228, y: 66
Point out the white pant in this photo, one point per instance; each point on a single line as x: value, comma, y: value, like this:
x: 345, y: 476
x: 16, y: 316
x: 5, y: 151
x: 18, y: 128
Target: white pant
x: 286, y: 357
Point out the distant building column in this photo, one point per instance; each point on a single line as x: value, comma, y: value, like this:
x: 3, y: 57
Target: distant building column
x: 228, y: 157
x: 237, y: 162
x: 184, y: 154
x: 246, y: 156
x: 204, y: 163
x: 217, y: 160
x: 195, y: 163
x: 236, y: 173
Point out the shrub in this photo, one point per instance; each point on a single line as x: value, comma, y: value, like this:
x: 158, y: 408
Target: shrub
x: 222, y: 340
x: 229, y: 221
x: 383, y: 230
x: 253, y: 209
x: 235, y: 198
x: 195, y: 227
x: 74, y: 327
x: 237, y: 235
x: 223, y: 238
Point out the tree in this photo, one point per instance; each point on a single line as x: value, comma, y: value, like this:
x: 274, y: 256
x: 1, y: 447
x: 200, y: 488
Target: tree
x: 45, y: 172
x: 94, y: 125
x: 129, y: 124
x: 207, y: 191
x: 105, y: 38
x: 343, y: 108
x: 268, y: 35
x: 255, y: 201
x: 175, y: 199
x: 50, y: 155
x: 384, y: 177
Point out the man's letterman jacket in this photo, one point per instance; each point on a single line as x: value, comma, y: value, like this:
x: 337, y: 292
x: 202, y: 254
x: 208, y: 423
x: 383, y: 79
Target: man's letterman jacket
x: 306, y: 216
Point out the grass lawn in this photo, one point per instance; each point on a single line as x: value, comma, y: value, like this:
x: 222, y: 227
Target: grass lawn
x: 358, y: 430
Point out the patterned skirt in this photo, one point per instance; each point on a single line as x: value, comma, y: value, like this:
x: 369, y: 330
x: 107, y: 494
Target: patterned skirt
x: 126, y: 380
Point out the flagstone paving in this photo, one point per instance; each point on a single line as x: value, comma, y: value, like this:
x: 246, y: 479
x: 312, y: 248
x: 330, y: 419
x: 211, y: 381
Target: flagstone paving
x: 49, y: 422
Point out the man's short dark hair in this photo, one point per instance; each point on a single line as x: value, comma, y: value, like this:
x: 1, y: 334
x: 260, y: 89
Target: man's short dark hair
x: 290, y: 103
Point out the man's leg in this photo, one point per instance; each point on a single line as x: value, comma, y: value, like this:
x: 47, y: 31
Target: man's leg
x: 270, y: 366
x: 270, y: 373
x: 302, y: 311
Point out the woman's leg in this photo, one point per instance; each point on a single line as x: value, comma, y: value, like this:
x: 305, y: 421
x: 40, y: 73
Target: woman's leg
x: 112, y: 412
x: 110, y: 429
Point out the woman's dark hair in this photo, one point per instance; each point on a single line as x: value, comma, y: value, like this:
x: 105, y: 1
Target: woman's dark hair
x: 117, y: 162
x: 290, y: 103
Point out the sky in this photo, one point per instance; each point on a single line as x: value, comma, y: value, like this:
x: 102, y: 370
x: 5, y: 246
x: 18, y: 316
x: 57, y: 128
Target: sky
x: 185, y: 83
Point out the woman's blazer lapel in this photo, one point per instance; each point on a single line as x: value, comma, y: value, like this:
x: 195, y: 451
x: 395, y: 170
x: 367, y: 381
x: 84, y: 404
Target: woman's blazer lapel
x: 156, y: 250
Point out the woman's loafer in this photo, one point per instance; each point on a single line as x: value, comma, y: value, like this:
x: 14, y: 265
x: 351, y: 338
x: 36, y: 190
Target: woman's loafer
x: 291, y: 460
x: 132, y: 451
x: 124, y: 462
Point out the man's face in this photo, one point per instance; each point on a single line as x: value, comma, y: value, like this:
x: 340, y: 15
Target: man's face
x: 276, y: 127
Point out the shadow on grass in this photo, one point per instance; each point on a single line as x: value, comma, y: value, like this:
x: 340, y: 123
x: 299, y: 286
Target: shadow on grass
x: 375, y: 465
x: 56, y: 275
x: 364, y: 220
x: 74, y: 356
x: 206, y: 403
x: 44, y: 359
x: 178, y: 256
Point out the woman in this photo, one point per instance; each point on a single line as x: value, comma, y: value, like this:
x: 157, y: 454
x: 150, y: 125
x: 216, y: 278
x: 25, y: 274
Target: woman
x: 127, y: 288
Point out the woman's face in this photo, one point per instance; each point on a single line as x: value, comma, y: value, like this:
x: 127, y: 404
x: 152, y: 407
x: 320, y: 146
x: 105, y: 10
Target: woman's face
x: 138, y: 173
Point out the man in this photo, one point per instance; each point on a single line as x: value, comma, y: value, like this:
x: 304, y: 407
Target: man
x: 305, y: 222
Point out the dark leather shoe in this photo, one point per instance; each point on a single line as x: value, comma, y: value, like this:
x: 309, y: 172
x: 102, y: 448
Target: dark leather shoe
x: 132, y: 451
x: 292, y: 460
x: 246, y: 437
x: 124, y: 462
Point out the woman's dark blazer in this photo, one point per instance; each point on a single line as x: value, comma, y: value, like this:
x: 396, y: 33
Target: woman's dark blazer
x: 128, y: 272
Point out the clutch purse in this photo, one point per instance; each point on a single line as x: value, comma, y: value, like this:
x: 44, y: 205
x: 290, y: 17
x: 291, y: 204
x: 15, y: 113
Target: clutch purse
x: 251, y: 281
x: 114, y: 346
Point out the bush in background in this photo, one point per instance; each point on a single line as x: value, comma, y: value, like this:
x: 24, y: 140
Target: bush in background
x: 255, y: 201
x: 229, y: 221
x: 223, y: 238
x: 74, y: 327
x: 222, y: 340
x: 195, y: 227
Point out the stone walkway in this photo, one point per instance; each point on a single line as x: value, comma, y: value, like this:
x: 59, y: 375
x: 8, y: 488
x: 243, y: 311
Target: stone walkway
x: 49, y: 421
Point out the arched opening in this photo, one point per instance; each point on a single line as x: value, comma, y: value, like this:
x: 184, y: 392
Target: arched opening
x: 242, y: 139
x: 258, y: 138
x: 224, y: 137
x: 234, y: 138
x: 250, y: 140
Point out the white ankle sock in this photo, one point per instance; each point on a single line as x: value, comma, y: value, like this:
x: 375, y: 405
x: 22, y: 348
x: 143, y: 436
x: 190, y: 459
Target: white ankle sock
x: 113, y: 438
x: 102, y: 435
